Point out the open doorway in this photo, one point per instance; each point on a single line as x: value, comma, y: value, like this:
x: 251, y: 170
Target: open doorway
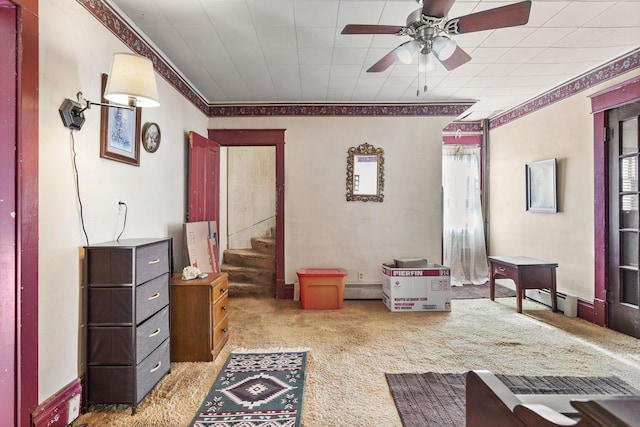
x: 251, y: 194
x: 265, y: 138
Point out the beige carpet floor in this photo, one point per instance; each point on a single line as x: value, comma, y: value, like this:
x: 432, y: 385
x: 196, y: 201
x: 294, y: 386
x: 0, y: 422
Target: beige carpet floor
x: 352, y: 348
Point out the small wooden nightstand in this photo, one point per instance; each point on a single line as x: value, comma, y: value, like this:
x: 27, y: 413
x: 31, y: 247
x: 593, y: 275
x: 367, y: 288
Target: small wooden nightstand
x: 199, y: 317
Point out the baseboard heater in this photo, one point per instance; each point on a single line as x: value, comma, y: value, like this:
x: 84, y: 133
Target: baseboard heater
x: 567, y: 304
x: 363, y: 291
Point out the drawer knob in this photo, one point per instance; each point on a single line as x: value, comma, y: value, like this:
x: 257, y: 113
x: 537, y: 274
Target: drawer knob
x: 501, y: 268
x: 154, y: 296
x: 224, y: 308
x: 223, y: 290
x: 154, y: 333
x: 154, y: 261
x: 155, y: 368
x: 225, y: 330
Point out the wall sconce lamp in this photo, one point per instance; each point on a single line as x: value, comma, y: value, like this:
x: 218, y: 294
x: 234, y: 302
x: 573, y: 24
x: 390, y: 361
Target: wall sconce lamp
x: 131, y: 84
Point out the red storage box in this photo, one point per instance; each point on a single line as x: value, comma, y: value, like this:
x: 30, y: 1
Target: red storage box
x: 322, y: 288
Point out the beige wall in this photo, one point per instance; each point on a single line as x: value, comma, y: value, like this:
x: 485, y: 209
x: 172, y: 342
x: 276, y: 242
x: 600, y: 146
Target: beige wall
x: 74, y: 50
x: 563, y: 131
x: 252, y: 197
x: 324, y: 230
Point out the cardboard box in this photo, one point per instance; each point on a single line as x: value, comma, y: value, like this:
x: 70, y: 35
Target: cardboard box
x: 201, y: 240
x: 411, y: 263
x: 417, y: 289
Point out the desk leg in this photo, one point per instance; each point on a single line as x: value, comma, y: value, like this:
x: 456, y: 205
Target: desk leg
x: 519, y: 296
x: 492, y: 284
x: 554, y: 298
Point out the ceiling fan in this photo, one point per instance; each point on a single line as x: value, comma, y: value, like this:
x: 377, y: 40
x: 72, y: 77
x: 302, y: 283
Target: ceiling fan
x: 430, y: 32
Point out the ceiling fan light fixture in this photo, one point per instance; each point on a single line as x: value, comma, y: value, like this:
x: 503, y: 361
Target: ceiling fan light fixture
x: 444, y: 47
x: 407, y: 51
x: 426, y: 63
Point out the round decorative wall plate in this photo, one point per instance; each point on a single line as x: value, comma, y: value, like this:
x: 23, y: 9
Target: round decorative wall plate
x: 151, y: 137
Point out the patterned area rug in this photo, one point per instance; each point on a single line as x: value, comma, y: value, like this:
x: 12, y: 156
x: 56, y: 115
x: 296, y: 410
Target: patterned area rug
x: 256, y: 389
x: 436, y: 399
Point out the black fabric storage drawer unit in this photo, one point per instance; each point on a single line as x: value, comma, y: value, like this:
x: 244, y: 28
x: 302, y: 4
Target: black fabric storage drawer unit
x: 126, y: 312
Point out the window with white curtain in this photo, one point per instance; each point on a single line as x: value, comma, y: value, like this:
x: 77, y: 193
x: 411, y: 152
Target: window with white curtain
x: 463, y: 226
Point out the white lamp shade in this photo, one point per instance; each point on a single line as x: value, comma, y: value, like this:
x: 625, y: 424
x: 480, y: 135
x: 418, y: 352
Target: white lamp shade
x: 444, y: 47
x: 132, y: 80
x: 407, y: 51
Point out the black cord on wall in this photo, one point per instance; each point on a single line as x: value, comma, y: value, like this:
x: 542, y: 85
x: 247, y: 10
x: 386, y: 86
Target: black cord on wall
x: 75, y: 175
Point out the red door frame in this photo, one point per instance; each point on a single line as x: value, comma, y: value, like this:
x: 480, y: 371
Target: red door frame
x: 22, y: 302
x: 613, y: 97
x: 264, y: 137
x: 8, y: 104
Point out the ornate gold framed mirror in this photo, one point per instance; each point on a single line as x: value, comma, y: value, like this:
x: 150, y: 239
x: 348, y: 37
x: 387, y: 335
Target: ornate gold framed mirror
x: 365, y: 173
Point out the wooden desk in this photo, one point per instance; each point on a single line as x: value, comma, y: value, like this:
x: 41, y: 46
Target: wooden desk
x: 527, y: 273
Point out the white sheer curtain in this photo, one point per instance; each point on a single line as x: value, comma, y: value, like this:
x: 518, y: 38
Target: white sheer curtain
x: 464, y: 243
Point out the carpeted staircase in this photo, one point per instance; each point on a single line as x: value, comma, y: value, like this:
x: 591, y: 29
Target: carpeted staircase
x: 252, y: 270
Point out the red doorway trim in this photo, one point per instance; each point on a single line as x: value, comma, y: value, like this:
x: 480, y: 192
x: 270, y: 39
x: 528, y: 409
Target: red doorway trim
x: 264, y: 137
x: 26, y: 278
x: 613, y: 97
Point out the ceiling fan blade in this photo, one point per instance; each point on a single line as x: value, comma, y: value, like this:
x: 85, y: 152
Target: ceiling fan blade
x: 387, y: 61
x: 371, y: 29
x: 506, y: 16
x: 458, y: 58
x: 436, y: 8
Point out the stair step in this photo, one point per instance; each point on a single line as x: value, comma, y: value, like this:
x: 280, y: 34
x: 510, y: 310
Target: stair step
x: 249, y: 258
x: 265, y: 245
x: 240, y: 289
x: 249, y: 274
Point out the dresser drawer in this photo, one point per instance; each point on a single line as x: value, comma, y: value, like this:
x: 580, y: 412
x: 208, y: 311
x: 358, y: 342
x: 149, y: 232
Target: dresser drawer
x: 110, y: 345
x: 152, y: 333
x: 152, y: 369
x: 109, y: 305
x: 151, y: 297
x: 219, y: 289
x: 113, y: 384
x: 221, y: 330
x: 152, y: 261
x: 221, y: 308
x: 504, y: 271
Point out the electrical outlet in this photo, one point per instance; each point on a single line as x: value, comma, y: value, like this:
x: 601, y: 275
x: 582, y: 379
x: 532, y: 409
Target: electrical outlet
x: 360, y: 276
x: 74, y: 409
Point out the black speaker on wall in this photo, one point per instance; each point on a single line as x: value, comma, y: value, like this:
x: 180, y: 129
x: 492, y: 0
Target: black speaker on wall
x: 72, y: 114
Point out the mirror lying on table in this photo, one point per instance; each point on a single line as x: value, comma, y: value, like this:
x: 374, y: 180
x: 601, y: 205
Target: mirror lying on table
x: 365, y: 173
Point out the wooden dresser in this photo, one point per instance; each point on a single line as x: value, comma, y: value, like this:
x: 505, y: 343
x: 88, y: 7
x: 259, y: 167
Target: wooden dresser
x: 126, y: 318
x: 199, y: 317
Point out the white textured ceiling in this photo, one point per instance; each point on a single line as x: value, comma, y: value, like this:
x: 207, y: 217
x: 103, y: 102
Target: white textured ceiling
x: 291, y: 51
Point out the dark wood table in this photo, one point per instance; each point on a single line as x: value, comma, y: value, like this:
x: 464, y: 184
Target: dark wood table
x: 527, y: 273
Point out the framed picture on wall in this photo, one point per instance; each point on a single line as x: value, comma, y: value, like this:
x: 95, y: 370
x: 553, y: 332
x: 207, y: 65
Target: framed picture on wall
x: 541, y: 186
x: 119, y: 132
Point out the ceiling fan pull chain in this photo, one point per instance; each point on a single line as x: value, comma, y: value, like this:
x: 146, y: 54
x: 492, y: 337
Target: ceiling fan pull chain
x: 418, y: 90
